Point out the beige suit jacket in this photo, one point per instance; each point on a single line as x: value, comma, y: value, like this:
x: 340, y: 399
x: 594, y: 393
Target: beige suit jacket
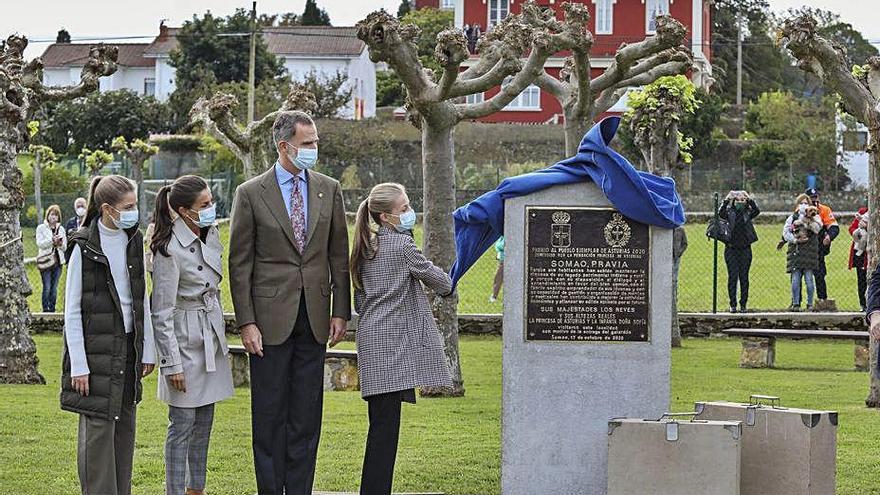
x: 268, y: 275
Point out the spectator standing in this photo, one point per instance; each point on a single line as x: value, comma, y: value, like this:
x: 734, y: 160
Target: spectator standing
x: 499, y: 272
x: 858, y: 252
x: 827, y: 234
x: 801, y: 233
x: 739, y: 209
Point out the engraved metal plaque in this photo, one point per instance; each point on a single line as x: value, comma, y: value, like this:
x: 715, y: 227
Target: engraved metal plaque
x: 587, y: 276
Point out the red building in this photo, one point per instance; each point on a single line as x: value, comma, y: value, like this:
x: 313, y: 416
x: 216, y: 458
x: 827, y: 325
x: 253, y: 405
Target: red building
x: 612, y: 22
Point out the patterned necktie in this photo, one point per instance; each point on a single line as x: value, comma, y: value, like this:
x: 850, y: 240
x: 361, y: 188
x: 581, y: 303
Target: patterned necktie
x: 298, y: 216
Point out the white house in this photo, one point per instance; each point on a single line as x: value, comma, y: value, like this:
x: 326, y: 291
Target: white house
x: 145, y: 67
x: 852, y: 152
x: 63, y: 63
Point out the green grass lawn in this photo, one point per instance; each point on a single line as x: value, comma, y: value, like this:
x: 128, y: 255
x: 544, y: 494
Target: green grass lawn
x: 769, y: 282
x: 450, y: 445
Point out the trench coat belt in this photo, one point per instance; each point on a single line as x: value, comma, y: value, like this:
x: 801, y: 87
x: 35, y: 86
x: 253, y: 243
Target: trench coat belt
x: 205, y: 305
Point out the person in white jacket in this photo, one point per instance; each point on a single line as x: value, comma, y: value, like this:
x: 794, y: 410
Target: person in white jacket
x: 51, y: 244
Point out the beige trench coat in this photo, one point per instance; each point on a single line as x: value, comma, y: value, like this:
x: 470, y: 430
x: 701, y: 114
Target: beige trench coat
x: 188, y: 319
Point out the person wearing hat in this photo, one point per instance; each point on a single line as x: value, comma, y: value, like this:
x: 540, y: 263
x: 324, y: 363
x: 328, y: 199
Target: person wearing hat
x: 829, y: 232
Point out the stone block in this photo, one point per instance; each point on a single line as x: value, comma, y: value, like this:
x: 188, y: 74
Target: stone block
x: 862, y: 356
x: 758, y: 352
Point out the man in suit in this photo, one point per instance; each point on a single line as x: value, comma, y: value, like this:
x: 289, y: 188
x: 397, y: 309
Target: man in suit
x: 288, y: 269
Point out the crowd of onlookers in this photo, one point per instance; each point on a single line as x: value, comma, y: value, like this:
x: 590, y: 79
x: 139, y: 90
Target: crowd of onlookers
x: 806, y: 235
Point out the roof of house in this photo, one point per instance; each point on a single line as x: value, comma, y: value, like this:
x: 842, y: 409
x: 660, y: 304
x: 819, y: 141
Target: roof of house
x: 76, y: 54
x: 288, y: 40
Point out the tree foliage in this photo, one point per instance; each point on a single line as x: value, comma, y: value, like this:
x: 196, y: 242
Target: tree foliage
x: 430, y: 22
x: 332, y: 92
x: 95, y: 160
x: 404, y: 8
x: 654, y: 116
x: 93, y: 121
x: 314, y: 16
x: 803, y: 130
x: 214, y: 49
x: 389, y: 89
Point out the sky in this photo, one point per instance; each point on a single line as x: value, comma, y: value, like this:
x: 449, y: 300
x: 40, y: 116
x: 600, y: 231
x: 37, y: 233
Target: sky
x: 40, y: 20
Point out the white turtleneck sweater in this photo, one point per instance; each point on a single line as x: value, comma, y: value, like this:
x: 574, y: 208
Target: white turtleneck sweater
x: 113, y: 243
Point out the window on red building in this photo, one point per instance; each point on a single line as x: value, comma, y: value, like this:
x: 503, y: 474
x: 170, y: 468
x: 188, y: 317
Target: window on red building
x: 447, y: 4
x: 498, y: 10
x: 653, y: 8
x: 474, y: 98
x: 604, y: 16
x: 529, y: 99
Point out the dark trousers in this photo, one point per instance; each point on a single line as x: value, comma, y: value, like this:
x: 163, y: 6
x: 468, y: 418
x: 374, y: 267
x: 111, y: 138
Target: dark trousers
x: 861, y: 277
x: 287, y: 394
x: 381, y: 451
x: 739, y: 261
x: 50, y: 287
x: 105, y: 448
x: 819, y: 274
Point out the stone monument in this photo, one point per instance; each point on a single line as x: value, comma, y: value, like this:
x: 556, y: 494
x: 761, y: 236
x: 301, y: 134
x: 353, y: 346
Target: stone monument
x: 587, y: 323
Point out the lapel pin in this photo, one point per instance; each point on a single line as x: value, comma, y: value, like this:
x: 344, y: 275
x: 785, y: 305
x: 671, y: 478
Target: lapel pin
x: 320, y: 195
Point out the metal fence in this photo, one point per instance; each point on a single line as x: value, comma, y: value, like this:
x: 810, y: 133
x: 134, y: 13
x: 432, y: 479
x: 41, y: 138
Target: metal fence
x: 703, y: 277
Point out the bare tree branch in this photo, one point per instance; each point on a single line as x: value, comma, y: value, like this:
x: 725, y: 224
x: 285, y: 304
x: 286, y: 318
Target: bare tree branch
x: 101, y: 63
x: 670, y: 33
x: 606, y: 100
x: 554, y: 86
x: 216, y: 113
x: 828, y: 61
x: 391, y: 42
x: 490, y: 79
x: 667, y: 69
x: 450, y: 52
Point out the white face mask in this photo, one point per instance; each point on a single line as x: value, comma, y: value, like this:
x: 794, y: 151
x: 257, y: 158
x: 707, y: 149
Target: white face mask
x: 80, y: 211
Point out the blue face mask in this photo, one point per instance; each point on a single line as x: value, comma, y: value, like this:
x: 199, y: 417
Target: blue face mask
x: 305, y: 158
x: 207, y: 216
x: 407, y: 221
x: 127, y: 219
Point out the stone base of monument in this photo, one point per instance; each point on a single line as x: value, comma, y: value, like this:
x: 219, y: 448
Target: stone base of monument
x: 393, y: 493
x: 667, y: 457
x: 862, y: 356
x: 587, y: 327
x: 825, y: 305
x: 785, y: 451
x: 758, y: 352
x: 340, y: 369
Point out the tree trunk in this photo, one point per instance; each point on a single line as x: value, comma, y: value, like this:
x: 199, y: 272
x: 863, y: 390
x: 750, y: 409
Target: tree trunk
x: 679, y: 245
x: 438, y: 169
x: 137, y: 174
x: 575, y: 127
x: 18, y: 354
x: 38, y: 178
x: 873, y: 399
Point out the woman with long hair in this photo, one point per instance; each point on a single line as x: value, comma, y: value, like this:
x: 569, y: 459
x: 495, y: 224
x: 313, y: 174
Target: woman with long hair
x: 108, y: 335
x: 51, y: 245
x: 190, y: 330
x: 399, y: 346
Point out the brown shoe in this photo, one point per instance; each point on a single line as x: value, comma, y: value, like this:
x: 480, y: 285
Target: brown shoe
x: 190, y: 491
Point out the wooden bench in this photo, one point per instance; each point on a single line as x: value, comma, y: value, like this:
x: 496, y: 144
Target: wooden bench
x: 340, y: 369
x: 759, y: 344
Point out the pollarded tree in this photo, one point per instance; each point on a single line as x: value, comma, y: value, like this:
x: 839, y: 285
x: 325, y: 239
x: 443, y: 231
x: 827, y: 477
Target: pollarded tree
x: 44, y: 156
x: 654, y: 117
x: 859, y: 91
x: 434, y: 104
x: 253, y: 144
x: 95, y: 160
x: 22, y: 92
x: 583, y: 97
x: 137, y: 153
